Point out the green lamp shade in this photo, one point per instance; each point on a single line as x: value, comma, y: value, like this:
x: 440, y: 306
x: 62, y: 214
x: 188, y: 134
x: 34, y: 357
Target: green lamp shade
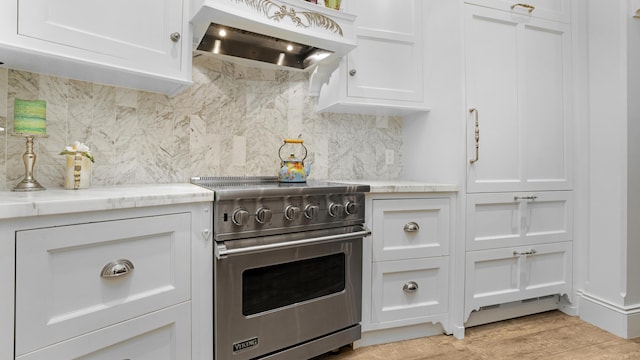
x: 29, y: 117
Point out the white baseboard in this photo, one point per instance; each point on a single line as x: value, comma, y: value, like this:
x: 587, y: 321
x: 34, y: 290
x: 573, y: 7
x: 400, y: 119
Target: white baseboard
x: 622, y: 321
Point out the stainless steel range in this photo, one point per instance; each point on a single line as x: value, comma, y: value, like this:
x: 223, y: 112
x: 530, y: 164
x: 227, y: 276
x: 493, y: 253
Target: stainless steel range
x: 288, y: 266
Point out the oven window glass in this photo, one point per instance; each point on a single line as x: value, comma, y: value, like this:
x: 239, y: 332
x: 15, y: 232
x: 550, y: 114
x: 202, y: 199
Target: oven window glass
x: 275, y: 286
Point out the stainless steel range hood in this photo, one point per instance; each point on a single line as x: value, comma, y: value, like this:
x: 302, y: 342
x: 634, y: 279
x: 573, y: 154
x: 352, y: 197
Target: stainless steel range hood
x: 229, y: 41
x: 288, y: 33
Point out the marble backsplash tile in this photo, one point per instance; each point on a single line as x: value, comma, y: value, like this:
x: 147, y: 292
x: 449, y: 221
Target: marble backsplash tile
x: 231, y: 122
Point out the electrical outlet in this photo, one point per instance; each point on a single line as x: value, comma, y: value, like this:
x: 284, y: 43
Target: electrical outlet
x: 388, y: 160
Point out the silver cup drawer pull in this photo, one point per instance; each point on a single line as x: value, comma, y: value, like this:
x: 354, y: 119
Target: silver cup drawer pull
x: 410, y: 286
x: 411, y: 226
x: 117, y: 268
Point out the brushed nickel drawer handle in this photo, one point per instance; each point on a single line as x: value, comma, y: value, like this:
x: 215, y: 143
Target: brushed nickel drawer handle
x: 530, y: 8
x: 411, y: 227
x: 524, y: 253
x: 410, y: 286
x: 116, y: 268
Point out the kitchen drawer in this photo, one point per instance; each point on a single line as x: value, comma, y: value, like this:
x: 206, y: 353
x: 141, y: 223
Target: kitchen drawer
x: 519, y: 273
x: 60, y: 293
x: 393, y: 301
x: 498, y: 220
x: 410, y: 228
x: 161, y: 335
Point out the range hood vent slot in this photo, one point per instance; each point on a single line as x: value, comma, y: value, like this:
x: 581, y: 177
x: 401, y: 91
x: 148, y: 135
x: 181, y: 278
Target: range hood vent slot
x: 229, y: 41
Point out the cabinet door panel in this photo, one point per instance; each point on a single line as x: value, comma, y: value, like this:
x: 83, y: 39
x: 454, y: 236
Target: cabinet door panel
x: 137, y: 30
x: 492, y: 88
x: 549, y: 269
x: 492, y: 277
x: 391, y: 302
x: 548, y: 218
x: 510, y: 219
x: 392, y: 242
x: 68, y: 296
x: 382, y: 41
x: 545, y: 106
x: 492, y: 221
x: 163, y: 335
x: 386, y: 17
x: 518, y: 79
x: 518, y: 273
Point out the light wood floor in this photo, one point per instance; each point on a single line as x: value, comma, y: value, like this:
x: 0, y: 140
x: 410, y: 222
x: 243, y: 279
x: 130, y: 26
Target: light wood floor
x: 551, y: 335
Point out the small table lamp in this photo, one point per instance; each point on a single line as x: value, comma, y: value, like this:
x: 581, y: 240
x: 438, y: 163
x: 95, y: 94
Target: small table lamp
x: 29, y: 121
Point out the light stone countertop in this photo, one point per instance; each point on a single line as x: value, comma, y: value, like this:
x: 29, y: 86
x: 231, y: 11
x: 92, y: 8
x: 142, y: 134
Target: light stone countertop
x: 60, y: 201
x: 55, y: 201
x: 401, y: 186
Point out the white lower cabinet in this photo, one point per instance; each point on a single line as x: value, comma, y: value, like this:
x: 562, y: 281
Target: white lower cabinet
x: 511, y: 274
x: 497, y: 220
x: 161, y: 335
x: 519, y: 247
x: 410, y: 228
x: 62, y: 292
x: 406, y: 266
x: 111, y: 284
x: 409, y: 290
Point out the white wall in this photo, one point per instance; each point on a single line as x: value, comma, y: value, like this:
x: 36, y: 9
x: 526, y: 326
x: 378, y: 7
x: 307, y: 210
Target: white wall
x: 610, y: 298
x: 434, y: 142
x: 633, y: 161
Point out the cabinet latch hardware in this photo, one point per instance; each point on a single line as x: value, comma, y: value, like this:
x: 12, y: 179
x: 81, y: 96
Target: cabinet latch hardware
x: 530, y: 8
x: 477, y: 136
x: 531, y: 197
x: 524, y: 253
x: 175, y: 37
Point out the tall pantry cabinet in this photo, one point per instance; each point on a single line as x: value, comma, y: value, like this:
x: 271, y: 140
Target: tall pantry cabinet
x: 518, y: 242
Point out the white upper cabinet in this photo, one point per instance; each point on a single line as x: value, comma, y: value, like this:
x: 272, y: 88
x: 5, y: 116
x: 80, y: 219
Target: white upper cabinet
x: 387, y: 63
x: 142, y: 44
x: 142, y: 32
x: 557, y: 10
x: 384, y: 74
x: 518, y: 88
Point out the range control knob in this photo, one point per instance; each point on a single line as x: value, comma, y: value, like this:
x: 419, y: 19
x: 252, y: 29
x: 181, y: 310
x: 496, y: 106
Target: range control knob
x: 351, y: 207
x: 311, y: 211
x: 291, y: 212
x: 336, y: 210
x: 240, y: 216
x: 263, y: 215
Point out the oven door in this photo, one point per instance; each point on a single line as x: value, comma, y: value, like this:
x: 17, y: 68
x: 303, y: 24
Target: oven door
x: 278, y: 293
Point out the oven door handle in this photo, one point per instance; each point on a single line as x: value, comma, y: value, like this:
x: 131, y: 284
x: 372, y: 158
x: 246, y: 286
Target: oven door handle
x: 222, y: 252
